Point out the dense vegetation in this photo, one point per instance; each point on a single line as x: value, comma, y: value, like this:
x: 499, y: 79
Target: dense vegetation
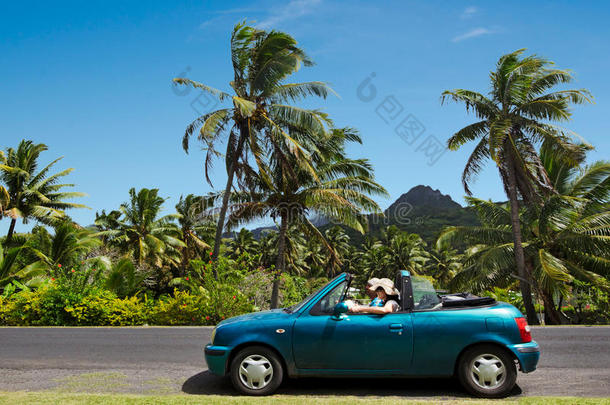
x: 545, y: 250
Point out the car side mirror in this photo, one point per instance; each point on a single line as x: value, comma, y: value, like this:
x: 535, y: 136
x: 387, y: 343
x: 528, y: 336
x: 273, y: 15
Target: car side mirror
x: 339, y: 310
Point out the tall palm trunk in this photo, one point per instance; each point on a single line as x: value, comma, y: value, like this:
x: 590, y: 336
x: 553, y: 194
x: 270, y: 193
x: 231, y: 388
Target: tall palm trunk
x: 524, y: 277
x: 243, y: 132
x: 279, y: 264
x: 11, y: 229
x: 551, y: 314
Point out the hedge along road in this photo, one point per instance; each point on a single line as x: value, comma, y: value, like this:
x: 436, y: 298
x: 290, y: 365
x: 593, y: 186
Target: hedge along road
x: 149, y: 360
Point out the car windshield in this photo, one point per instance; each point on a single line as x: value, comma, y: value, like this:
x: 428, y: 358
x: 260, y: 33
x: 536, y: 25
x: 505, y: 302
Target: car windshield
x: 424, y: 294
x: 300, y: 305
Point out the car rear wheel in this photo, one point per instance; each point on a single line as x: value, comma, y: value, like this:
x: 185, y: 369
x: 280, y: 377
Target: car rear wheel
x: 487, y: 371
x: 256, y: 370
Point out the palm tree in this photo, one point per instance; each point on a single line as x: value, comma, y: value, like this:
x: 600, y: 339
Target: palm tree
x: 339, y: 241
x: 339, y: 191
x: 445, y: 263
x: 139, y: 230
x: 564, y: 239
x: 295, y: 250
x: 29, y: 193
x: 260, y: 112
x: 5, y: 199
x: 315, y: 258
x: 10, y: 268
x: 195, y: 228
x: 372, y: 259
x: 267, y: 246
x: 66, y: 247
x: 243, y: 242
x: 512, y: 121
x: 124, y: 279
x: 404, y: 250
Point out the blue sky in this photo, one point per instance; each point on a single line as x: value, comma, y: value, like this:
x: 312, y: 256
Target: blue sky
x: 92, y: 81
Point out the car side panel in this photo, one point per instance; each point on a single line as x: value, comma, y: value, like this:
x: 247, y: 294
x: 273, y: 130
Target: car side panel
x: 353, y: 342
x: 440, y: 336
x: 276, y: 333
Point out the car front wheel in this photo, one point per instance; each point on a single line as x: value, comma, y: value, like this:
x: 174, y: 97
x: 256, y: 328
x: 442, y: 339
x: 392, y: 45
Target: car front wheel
x: 256, y: 370
x: 487, y: 371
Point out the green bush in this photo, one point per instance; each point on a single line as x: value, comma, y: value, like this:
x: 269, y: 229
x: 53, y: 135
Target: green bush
x: 53, y: 306
x: 181, y: 309
x: 507, y: 295
x: 107, y: 309
x: 21, y: 309
x: 78, y: 297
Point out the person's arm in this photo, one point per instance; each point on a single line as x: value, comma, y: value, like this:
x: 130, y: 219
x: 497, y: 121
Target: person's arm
x: 386, y: 309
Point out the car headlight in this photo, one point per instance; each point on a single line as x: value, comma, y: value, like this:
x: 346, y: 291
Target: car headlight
x: 213, y: 336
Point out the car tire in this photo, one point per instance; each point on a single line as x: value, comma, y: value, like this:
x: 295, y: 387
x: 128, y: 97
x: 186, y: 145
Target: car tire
x: 487, y: 371
x: 256, y: 370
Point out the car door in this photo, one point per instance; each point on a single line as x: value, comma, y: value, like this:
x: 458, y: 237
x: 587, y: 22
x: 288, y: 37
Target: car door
x: 357, y: 342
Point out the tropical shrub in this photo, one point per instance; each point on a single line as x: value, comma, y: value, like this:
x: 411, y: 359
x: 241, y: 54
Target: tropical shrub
x: 506, y: 295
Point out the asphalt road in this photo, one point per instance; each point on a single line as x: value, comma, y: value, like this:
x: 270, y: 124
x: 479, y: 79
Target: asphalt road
x: 575, y: 362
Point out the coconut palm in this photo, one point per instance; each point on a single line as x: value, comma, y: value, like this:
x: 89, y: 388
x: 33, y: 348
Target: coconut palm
x: 124, y: 279
x: 295, y: 251
x: 5, y: 199
x: 444, y: 264
x: 372, y: 259
x: 564, y: 239
x: 267, y: 246
x: 512, y: 121
x: 242, y: 242
x: 65, y: 248
x: 404, y: 250
x: 29, y: 193
x: 339, y: 191
x: 195, y: 228
x: 140, y: 230
x: 339, y: 241
x: 260, y: 112
x: 315, y: 258
x: 10, y: 269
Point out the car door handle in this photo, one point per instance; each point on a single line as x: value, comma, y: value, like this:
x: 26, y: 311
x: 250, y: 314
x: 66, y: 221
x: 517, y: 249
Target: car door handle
x: 396, y: 328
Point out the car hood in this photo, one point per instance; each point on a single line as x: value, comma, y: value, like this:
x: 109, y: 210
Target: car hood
x: 262, y: 316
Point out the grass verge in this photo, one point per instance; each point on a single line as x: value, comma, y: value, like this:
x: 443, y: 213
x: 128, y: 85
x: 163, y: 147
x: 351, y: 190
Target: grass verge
x: 124, y: 399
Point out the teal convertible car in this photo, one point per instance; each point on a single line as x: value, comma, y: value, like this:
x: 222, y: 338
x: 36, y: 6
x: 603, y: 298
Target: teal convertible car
x: 478, y: 340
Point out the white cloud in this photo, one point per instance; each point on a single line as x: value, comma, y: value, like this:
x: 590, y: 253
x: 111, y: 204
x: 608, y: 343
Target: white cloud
x: 477, y: 32
x: 292, y: 10
x: 469, y: 12
x: 221, y: 15
x: 209, y: 22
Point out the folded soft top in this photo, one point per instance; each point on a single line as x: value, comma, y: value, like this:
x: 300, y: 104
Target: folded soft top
x: 465, y: 299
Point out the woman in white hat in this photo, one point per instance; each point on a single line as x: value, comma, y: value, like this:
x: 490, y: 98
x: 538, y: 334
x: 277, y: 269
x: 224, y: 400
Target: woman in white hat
x: 387, y: 294
x: 369, y: 290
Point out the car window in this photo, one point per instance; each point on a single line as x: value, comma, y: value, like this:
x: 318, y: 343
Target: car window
x: 327, y: 304
x: 424, y: 294
x: 301, y: 304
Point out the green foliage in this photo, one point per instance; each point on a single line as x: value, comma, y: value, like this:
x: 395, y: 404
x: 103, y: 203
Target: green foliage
x: 506, y: 295
x: 66, y: 247
x: 124, y: 279
x: 29, y: 193
x: 589, y: 304
x: 57, y: 306
x: 290, y: 163
x: 514, y: 117
x: 81, y: 297
x: 137, y: 229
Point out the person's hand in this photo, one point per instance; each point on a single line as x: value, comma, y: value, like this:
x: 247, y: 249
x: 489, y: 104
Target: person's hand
x: 355, y: 308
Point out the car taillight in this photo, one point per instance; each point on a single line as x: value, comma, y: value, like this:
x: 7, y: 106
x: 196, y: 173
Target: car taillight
x: 524, y: 330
